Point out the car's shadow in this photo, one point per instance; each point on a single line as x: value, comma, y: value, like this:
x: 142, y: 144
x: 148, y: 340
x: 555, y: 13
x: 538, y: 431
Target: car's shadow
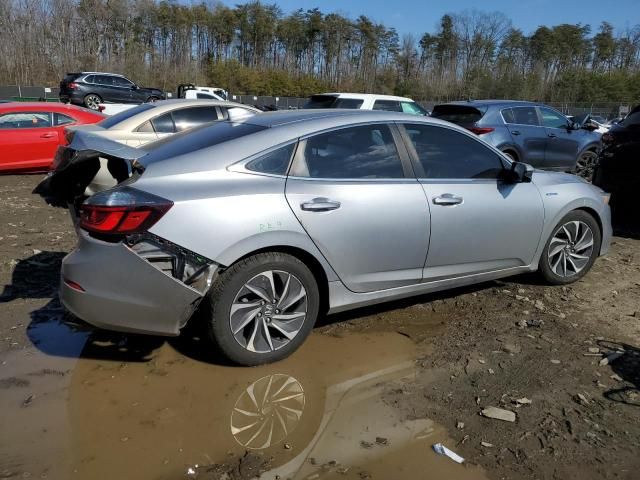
x: 627, y: 367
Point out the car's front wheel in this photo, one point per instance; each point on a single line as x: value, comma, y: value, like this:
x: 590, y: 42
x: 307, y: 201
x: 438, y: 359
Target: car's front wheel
x: 572, y: 248
x: 586, y: 164
x: 262, y: 308
x: 92, y: 101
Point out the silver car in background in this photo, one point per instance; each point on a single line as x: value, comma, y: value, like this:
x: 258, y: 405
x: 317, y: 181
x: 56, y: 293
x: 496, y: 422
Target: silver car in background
x: 268, y: 222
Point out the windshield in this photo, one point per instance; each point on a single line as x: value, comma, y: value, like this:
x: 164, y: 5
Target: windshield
x: 332, y: 101
x: 113, y: 120
x: 458, y: 114
x: 632, y: 119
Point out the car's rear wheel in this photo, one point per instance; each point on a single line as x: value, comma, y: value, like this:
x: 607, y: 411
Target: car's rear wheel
x: 262, y: 308
x: 92, y: 101
x: 586, y: 164
x: 572, y: 248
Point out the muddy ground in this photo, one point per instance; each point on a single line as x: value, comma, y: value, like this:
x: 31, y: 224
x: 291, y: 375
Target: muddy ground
x: 367, y: 396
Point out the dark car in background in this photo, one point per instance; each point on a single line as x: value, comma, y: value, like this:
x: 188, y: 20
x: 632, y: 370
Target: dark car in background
x: 90, y: 89
x: 527, y: 132
x: 617, y: 171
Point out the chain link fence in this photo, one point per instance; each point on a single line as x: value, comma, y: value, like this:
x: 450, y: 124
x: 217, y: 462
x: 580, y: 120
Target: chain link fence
x: 607, y: 110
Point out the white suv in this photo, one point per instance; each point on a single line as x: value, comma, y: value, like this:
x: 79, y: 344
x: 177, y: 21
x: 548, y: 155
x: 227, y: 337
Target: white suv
x: 365, y: 101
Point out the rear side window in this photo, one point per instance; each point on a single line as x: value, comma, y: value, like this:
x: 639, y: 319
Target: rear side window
x: 187, y: 118
x: 274, y: 163
x: 25, y: 120
x: 387, y: 105
x: 146, y: 127
x: 525, y: 116
x: 332, y: 101
x: 445, y: 153
x: 104, y: 80
x: 361, y: 152
x: 507, y: 115
x: 353, y: 103
x: 163, y: 124
x: 60, y: 119
x: 458, y: 114
x: 90, y: 79
x: 204, y: 95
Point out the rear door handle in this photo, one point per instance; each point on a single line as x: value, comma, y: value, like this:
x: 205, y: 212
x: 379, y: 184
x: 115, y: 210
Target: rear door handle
x: 47, y: 135
x: 551, y: 135
x: 320, y: 204
x: 515, y: 132
x: 447, y: 199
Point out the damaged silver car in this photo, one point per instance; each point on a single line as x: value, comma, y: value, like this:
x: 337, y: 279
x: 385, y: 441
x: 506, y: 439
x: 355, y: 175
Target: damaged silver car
x: 269, y: 221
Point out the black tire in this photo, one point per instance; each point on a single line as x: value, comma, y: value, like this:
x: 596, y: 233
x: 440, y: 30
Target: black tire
x: 511, y: 155
x: 92, y: 101
x: 231, y: 282
x: 545, y: 267
x: 152, y: 99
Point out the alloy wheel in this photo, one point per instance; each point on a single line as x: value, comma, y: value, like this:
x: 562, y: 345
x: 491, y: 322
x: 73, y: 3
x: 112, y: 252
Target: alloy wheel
x: 586, y: 164
x: 92, y: 102
x: 570, y: 248
x: 268, y: 311
x: 267, y: 411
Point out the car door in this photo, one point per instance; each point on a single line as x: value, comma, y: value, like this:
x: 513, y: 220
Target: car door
x: 353, y: 191
x: 527, y: 133
x: 28, y: 140
x: 479, y: 223
x: 124, y: 89
x: 561, y: 151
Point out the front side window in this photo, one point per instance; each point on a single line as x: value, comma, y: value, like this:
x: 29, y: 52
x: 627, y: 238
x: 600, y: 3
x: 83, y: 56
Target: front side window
x: 25, y: 120
x: 187, y: 118
x: 61, y: 119
x: 363, y: 152
x: 525, y: 116
x: 387, y: 105
x: 551, y: 119
x: 122, y: 82
x: 412, y: 108
x: 445, y: 153
x: 274, y: 163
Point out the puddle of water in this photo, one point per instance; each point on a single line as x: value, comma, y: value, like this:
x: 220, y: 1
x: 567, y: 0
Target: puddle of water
x: 317, y: 414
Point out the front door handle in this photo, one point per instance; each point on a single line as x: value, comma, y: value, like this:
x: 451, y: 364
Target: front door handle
x: 551, y: 135
x: 447, y: 199
x: 48, y: 135
x: 320, y: 204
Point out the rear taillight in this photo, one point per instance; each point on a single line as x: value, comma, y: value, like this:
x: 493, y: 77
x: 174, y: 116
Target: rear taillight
x: 481, y: 130
x: 122, y: 211
x: 72, y: 86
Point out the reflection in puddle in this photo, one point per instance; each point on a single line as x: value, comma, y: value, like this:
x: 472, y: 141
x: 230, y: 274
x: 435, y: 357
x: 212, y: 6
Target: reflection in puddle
x: 317, y: 414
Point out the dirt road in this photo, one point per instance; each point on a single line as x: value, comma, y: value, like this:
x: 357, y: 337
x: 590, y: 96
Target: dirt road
x: 366, y: 397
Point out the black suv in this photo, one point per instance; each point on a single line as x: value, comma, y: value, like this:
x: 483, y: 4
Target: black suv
x: 92, y: 88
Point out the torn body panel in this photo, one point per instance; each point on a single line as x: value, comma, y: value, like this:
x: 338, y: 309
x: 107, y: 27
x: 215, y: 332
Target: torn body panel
x: 152, y: 300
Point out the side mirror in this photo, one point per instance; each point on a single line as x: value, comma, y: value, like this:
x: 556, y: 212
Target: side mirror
x: 519, y: 173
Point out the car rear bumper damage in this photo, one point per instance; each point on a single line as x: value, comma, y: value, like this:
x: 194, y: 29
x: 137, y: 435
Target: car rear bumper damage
x: 143, y: 285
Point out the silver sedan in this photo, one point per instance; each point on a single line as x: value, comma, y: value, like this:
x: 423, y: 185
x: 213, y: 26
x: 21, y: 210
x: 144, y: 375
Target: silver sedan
x: 267, y: 222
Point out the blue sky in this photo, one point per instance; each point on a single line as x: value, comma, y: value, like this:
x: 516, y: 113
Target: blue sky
x: 419, y: 16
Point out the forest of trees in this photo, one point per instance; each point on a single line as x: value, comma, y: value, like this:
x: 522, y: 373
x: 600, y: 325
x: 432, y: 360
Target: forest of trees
x: 256, y: 48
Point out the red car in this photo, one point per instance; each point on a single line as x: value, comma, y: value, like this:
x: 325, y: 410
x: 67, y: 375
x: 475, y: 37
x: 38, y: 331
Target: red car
x: 30, y: 133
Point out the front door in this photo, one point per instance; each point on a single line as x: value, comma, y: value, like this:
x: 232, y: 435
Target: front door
x: 355, y: 195
x: 478, y: 222
x: 562, y: 143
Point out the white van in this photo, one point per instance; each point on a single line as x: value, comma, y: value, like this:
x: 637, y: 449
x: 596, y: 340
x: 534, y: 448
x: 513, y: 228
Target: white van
x: 365, y: 101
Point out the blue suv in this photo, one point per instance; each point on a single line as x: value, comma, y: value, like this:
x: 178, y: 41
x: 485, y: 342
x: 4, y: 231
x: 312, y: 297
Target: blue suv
x: 528, y: 132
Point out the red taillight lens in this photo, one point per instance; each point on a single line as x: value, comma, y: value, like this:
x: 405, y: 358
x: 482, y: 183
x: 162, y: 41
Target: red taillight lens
x: 74, y: 285
x: 72, y: 86
x: 122, y: 211
x: 481, y: 130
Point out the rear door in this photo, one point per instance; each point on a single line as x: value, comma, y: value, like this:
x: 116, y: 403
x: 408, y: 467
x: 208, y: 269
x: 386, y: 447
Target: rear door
x: 527, y: 133
x: 561, y: 151
x: 28, y: 140
x: 479, y: 223
x: 353, y: 191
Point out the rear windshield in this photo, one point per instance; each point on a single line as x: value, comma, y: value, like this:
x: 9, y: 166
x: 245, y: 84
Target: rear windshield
x: 125, y: 115
x: 70, y: 77
x: 332, y: 101
x: 195, y: 139
x: 459, y: 114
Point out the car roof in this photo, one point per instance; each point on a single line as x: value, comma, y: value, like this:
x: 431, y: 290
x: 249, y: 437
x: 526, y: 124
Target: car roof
x: 43, y: 106
x: 366, y: 96
x: 102, y: 73
x: 489, y: 103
